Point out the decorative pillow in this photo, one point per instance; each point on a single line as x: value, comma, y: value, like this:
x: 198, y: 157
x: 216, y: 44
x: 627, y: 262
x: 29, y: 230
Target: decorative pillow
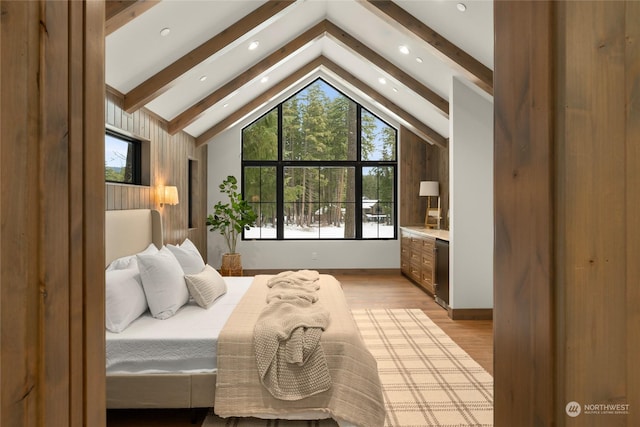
x: 206, y: 286
x: 163, y: 283
x: 188, y: 256
x: 125, y: 300
x: 130, y: 260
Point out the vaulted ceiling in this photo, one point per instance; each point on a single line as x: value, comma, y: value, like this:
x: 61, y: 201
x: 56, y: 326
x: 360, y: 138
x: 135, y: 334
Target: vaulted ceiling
x: 191, y: 62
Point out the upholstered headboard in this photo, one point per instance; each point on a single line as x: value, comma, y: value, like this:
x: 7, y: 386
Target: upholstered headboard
x: 128, y: 232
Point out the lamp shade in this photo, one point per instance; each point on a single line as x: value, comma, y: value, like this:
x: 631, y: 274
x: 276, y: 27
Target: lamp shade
x: 429, y: 188
x: 170, y: 195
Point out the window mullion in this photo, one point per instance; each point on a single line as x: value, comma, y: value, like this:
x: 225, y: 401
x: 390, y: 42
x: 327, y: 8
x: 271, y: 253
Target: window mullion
x: 280, y: 180
x: 358, y: 173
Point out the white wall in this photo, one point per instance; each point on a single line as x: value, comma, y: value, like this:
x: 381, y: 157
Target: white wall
x: 224, y: 159
x: 471, y: 197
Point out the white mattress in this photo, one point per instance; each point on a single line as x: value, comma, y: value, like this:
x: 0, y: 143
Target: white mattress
x: 184, y: 343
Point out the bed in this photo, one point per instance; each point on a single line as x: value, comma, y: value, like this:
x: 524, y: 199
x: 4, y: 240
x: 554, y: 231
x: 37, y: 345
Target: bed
x: 178, y: 362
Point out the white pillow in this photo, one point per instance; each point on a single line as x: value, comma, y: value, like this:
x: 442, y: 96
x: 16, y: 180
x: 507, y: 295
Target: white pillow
x: 125, y: 300
x: 163, y: 283
x: 188, y: 256
x: 130, y: 260
x: 206, y: 286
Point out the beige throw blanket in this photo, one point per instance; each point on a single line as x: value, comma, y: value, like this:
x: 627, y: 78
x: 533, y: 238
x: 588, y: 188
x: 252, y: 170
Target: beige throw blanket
x: 355, y: 395
x: 294, y: 285
x: 290, y: 360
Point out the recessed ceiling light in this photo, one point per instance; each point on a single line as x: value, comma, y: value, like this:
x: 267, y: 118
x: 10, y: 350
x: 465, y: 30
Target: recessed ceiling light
x: 165, y: 31
x: 418, y: 60
x: 395, y: 89
x: 264, y: 79
x: 382, y: 80
x: 461, y: 7
x: 203, y: 78
x: 254, y: 45
x: 403, y: 49
x: 226, y: 105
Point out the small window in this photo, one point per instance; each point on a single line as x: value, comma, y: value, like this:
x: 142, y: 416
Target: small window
x: 193, y: 193
x: 122, y: 159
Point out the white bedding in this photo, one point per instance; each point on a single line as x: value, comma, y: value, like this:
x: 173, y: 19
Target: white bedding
x: 184, y: 343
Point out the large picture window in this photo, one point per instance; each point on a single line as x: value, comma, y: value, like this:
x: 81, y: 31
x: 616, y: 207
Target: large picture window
x: 320, y: 166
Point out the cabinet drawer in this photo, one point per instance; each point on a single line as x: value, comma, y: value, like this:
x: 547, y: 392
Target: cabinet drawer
x: 416, y: 243
x: 426, y: 261
x: 405, y: 266
x: 414, y: 272
x: 405, y: 252
x: 428, y: 244
x: 427, y: 281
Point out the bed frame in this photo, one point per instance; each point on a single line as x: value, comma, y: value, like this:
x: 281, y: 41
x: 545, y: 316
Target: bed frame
x: 128, y: 232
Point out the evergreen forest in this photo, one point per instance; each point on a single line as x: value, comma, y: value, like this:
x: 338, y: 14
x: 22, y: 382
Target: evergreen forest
x: 328, y: 144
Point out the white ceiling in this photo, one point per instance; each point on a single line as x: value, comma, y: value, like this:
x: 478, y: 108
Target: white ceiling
x: 137, y: 51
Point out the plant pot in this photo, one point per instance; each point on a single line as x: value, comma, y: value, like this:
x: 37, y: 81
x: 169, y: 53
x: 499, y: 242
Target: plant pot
x: 231, y: 265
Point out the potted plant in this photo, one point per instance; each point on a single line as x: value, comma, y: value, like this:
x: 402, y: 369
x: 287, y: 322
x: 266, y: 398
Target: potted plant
x: 230, y: 219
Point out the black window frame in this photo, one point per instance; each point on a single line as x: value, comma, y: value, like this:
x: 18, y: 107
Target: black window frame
x: 280, y: 164
x: 136, y: 172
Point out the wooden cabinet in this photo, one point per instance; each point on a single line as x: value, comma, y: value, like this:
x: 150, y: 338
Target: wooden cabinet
x: 417, y: 258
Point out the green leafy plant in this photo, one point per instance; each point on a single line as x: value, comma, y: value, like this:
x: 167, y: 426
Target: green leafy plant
x: 229, y: 219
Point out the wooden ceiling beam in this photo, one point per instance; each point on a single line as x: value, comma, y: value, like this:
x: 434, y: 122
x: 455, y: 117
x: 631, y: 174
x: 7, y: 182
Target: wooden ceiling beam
x: 120, y: 12
x: 452, y: 55
x: 259, y: 101
x: 165, y: 78
x: 344, y: 38
x: 192, y: 113
x: 325, y: 27
x: 411, y: 122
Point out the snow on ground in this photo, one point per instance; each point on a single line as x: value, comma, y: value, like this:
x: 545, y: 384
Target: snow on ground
x: 370, y: 230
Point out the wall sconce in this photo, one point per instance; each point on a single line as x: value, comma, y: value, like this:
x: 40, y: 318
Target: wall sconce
x: 168, y: 195
x: 431, y: 189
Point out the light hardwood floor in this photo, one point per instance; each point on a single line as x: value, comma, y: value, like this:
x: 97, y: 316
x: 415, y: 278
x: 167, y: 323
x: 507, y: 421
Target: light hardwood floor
x: 362, y: 290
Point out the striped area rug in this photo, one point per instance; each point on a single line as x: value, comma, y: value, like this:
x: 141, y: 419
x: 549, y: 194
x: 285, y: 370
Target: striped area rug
x: 427, y: 379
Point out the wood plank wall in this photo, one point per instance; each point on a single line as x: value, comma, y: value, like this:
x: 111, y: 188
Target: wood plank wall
x: 421, y: 161
x: 52, y: 214
x: 170, y: 157
x: 567, y: 173
x: 438, y: 170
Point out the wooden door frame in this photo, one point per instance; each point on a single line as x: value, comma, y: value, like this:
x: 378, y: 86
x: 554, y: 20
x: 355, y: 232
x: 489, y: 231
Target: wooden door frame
x: 52, y: 160
x: 524, y: 300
